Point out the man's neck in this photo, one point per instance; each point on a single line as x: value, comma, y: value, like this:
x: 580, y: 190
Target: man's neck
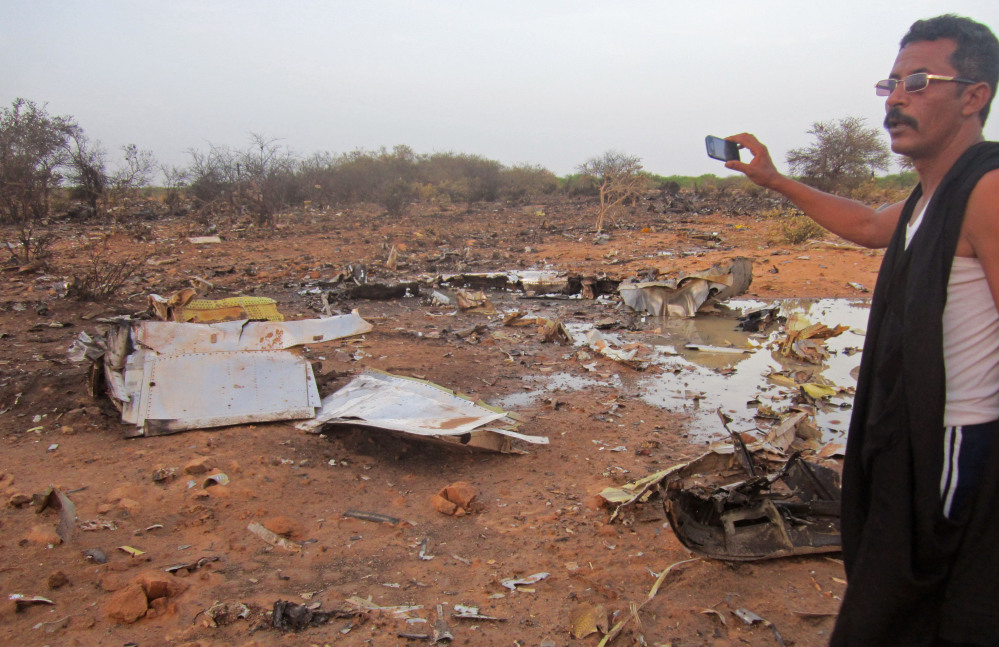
x: 931, y: 170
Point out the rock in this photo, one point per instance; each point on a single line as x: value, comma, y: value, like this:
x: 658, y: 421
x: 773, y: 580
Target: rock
x: 200, y: 465
x: 443, y: 506
x: 461, y: 493
x: 19, y: 500
x: 127, y: 605
x: 57, y: 580
x: 44, y: 535
x: 158, y: 584
x: 283, y: 526
x: 130, y: 506
x: 162, y: 474
x: 456, y: 499
x: 161, y: 607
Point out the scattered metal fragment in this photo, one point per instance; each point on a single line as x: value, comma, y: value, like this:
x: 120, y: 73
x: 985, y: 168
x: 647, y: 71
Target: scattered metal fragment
x: 424, y: 555
x: 513, y: 583
x: 415, y: 407
x: 371, y: 516
x: 96, y: 555
x: 475, y: 302
x: 249, y: 371
x: 132, y: 552
x: 273, y: 538
x: 52, y: 498
x: 442, y: 632
x: 759, y: 319
x: 221, y: 614
x: 683, y: 296
x: 191, y: 567
x: 463, y: 612
x: 751, y: 618
x: 22, y: 601
x: 289, y: 616
x: 365, y: 604
x: 215, y: 479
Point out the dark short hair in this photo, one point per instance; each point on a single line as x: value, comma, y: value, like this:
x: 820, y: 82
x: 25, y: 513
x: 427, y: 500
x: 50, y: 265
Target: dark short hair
x: 977, y: 53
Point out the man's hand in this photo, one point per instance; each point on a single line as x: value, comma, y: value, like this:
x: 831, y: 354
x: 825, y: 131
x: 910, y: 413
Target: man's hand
x: 760, y: 170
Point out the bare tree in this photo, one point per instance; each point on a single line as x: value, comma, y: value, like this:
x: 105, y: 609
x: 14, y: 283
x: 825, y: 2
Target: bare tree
x: 92, y: 181
x: 135, y: 172
x: 845, y: 153
x: 620, y: 178
x: 87, y: 171
x: 33, y: 145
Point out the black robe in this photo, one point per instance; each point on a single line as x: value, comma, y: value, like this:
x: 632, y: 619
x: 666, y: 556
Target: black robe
x: 912, y: 573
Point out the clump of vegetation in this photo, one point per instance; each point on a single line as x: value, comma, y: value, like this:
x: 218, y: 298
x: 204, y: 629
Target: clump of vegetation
x: 797, y: 229
x: 104, y: 276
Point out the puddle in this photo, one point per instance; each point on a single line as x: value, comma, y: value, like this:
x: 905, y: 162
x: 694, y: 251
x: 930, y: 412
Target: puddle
x: 548, y: 384
x: 699, y: 382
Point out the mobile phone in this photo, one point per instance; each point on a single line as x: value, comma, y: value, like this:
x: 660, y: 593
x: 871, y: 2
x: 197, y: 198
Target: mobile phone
x: 722, y: 149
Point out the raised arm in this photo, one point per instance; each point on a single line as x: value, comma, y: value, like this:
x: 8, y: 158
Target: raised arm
x: 850, y: 219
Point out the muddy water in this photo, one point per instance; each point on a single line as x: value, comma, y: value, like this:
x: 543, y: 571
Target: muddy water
x: 699, y: 382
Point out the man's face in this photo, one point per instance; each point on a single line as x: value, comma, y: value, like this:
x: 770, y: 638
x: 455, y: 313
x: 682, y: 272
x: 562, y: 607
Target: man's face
x: 922, y: 123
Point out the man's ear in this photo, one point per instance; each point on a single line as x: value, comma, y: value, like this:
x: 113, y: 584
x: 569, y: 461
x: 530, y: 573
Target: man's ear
x: 976, y: 97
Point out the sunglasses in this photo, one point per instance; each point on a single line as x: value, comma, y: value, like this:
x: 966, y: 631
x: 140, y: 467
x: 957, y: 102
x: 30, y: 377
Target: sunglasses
x: 914, y: 83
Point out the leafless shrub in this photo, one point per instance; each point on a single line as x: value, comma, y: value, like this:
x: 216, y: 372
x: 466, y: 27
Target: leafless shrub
x: 29, y: 248
x: 104, y: 275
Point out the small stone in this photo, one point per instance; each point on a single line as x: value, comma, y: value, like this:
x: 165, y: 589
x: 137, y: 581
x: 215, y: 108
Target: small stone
x: 283, y: 526
x: 57, y: 580
x: 44, y: 536
x: 461, y: 493
x: 162, y: 474
x: 444, y: 506
x: 127, y: 605
x: 157, y: 585
x: 66, y: 430
x: 19, y: 500
x: 130, y: 506
x: 200, y: 465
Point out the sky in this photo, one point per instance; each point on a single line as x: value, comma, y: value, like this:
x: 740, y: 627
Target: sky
x: 542, y: 82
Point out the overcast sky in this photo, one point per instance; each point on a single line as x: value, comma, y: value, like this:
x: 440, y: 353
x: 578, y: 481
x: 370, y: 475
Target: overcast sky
x: 547, y: 82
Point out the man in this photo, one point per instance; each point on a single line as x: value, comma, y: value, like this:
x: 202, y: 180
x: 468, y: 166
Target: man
x: 921, y: 476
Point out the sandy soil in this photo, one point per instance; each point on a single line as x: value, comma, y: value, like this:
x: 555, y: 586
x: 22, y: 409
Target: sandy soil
x: 535, y: 513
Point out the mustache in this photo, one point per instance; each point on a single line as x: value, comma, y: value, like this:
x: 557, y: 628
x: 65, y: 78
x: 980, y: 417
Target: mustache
x: 895, y: 115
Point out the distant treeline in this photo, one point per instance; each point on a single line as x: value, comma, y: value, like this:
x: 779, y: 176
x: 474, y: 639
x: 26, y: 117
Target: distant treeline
x: 267, y: 178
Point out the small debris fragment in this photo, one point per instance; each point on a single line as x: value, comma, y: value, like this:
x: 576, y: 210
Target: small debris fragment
x: 22, y: 602
x: 512, y: 584
x: 371, y: 516
x: 272, y: 538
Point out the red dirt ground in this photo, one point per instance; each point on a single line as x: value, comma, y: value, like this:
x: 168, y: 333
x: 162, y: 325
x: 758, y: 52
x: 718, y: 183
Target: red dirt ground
x: 536, y: 512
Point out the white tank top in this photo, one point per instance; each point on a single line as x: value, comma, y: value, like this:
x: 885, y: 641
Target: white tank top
x: 970, y: 346
x: 970, y: 342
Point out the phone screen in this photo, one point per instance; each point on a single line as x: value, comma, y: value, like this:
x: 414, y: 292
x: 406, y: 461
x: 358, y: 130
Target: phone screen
x: 721, y: 149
